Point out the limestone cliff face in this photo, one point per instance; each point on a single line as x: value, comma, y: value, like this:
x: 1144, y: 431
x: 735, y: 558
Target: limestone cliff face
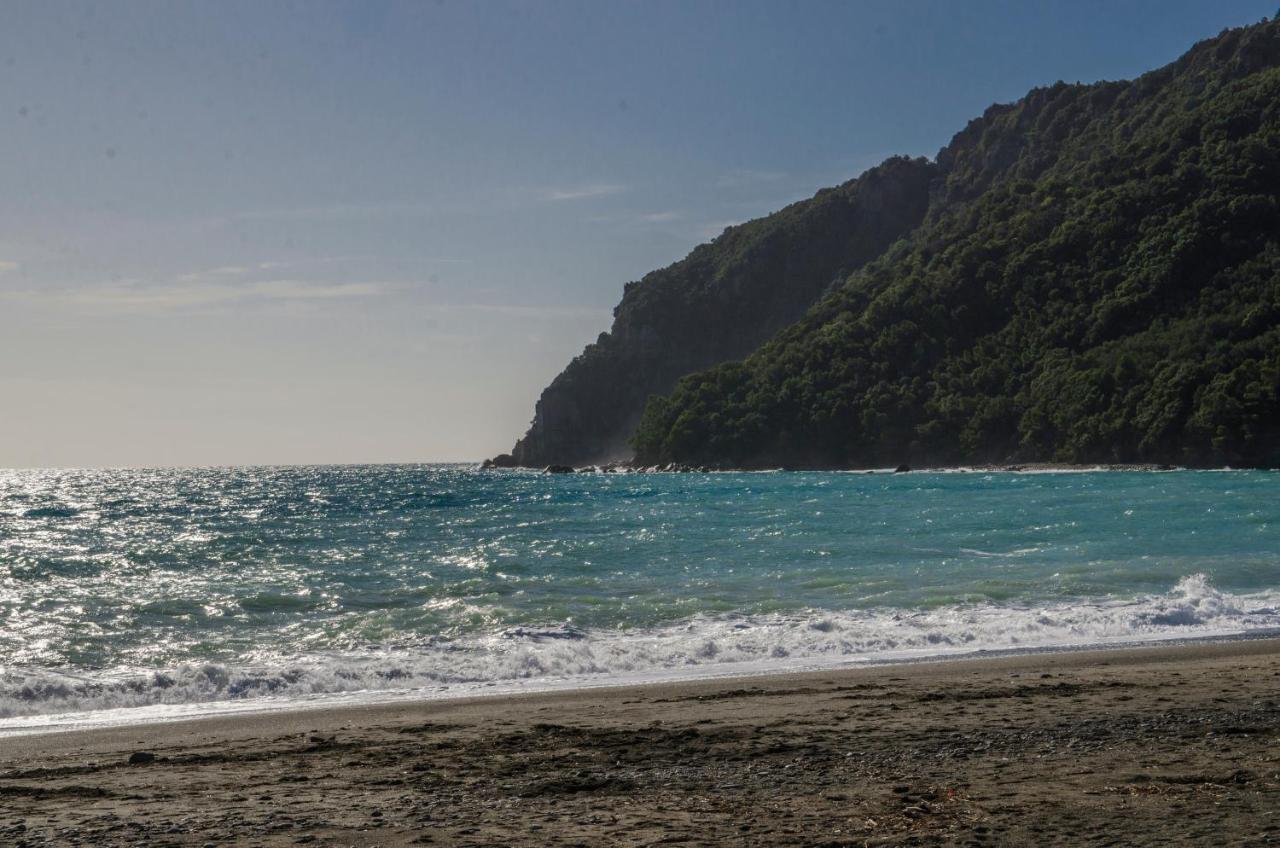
x: 719, y: 303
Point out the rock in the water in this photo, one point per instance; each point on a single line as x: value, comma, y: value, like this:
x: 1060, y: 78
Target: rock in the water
x: 141, y: 758
x: 902, y: 469
x: 502, y: 460
x: 558, y: 469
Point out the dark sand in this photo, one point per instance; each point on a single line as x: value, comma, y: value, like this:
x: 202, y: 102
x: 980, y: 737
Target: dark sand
x: 1150, y: 746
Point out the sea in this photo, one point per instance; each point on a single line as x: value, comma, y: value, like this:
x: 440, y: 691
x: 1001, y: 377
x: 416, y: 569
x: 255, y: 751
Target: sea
x: 130, y: 596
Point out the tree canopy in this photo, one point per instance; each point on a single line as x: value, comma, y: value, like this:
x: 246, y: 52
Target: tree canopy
x: 1097, y: 279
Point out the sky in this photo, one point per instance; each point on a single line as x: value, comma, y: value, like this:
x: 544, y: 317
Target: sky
x: 309, y: 232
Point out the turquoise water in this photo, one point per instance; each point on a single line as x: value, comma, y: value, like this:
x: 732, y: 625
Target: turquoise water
x: 124, y: 588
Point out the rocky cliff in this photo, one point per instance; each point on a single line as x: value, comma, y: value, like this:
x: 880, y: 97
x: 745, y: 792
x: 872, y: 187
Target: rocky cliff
x: 1090, y: 274
x: 719, y: 303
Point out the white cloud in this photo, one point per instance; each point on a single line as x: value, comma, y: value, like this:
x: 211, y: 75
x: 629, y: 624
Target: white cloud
x: 192, y: 295
x: 659, y: 217
x: 309, y: 261
x: 589, y: 192
x: 224, y: 271
x: 524, y: 311
x: 336, y: 211
x: 303, y: 290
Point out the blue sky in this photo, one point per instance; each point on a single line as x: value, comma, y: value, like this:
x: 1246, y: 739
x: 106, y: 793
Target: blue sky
x: 295, y: 232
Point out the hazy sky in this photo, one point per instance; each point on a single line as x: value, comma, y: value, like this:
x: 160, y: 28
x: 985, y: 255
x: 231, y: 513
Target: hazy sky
x: 360, y: 232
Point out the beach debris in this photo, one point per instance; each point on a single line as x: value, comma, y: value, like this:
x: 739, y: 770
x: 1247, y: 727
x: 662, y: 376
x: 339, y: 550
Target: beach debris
x: 141, y: 758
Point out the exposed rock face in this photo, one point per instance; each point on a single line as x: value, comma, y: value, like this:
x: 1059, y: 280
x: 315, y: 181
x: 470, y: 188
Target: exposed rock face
x: 718, y: 304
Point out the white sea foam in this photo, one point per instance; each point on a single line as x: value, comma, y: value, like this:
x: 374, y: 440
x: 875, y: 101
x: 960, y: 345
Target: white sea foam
x: 559, y: 656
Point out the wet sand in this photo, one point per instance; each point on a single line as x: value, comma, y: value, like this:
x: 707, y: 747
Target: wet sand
x: 1146, y: 746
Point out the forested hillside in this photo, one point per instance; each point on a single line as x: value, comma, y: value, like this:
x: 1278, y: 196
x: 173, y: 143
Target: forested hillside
x: 1096, y: 279
x: 719, y: 303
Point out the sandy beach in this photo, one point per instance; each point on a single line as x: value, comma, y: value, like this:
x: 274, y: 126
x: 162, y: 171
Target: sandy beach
x: 1142, y: 746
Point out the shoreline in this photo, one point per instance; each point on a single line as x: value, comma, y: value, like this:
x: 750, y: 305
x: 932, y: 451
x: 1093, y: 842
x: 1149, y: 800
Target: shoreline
x: 148, y: 716
x: 1166, y: 744
x: 629, y: 467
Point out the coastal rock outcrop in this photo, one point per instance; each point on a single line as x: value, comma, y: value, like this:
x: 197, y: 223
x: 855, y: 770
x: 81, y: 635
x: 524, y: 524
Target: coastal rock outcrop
x: 719, y: 303
x: 1090, y: 274
x: 502, y: 460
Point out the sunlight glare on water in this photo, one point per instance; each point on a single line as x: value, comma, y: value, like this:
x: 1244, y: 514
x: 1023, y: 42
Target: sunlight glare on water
x: 136, y: 587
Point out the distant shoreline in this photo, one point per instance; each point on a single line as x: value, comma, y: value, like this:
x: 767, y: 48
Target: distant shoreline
x: 993, y: 468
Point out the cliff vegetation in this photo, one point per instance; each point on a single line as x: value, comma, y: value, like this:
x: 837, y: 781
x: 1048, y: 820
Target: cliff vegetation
x: 1096, y: 278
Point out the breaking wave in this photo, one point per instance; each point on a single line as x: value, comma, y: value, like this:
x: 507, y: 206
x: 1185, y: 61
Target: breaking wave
x: 558, y: 655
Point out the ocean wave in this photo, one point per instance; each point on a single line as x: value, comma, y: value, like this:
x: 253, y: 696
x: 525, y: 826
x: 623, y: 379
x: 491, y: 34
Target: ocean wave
x: 700, y: 646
